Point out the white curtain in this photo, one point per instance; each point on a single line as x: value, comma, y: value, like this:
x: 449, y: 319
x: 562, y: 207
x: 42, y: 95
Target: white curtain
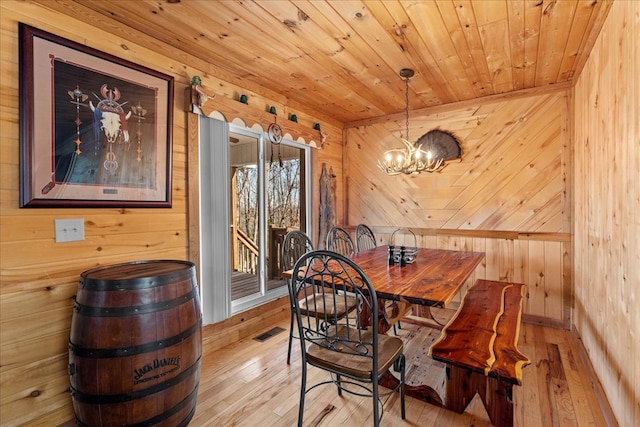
x: 215, y: 273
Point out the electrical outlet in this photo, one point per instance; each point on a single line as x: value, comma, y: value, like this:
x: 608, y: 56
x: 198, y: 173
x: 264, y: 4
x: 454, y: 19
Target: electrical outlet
x: 69, y: 230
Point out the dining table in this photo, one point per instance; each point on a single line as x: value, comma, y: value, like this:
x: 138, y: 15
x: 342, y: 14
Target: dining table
x: 431, y: 279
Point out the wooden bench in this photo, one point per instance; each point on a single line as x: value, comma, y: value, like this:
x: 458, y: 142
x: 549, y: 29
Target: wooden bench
x: 479, y: 347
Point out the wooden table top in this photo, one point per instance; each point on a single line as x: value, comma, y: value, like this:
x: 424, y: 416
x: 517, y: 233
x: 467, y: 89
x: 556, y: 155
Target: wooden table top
x: 433, y: 279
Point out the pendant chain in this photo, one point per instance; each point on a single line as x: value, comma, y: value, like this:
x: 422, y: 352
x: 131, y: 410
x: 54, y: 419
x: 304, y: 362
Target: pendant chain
x: 406, y: 103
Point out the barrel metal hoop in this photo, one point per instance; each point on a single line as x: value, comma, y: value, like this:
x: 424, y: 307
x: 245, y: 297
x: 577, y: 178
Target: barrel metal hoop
x: 161, y: 417
x: 135, y: 310
x: 92, y: 284
x: 109, y: 353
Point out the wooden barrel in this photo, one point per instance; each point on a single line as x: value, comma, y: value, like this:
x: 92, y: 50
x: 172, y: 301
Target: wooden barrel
x: 135, y: 345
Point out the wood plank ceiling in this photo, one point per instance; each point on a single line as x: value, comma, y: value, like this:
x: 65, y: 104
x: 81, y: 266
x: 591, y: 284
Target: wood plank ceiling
x: 342, y: 58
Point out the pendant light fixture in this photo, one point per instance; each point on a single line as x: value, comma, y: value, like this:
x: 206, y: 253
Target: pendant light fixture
x: 411, y: 159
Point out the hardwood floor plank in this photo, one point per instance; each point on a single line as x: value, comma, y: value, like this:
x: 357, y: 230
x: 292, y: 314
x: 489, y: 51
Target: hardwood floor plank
x: 559, y: 387
x: 529, y: 393
x: 248, y: 383
x: 586, y: 405
x: 548, y: 411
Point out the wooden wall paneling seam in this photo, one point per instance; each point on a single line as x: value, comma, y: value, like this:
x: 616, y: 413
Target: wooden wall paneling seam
x: 193, y: 192
x: 472, y: 35
x: 434, y: 38
x: 599, y: 14
x: 413, y: 43
x: 492, y: 259
x: 350, y: 52
x: 532, y: 20
x: 535, y: 284
x: 498, y: 49
x: 459, y: 22
x: 555, y: 304
x: 553, y: 17
x: 533, y: 196
x: 506, y: 124
x: 579, y: 20
x: 516, y: 24
x: 506, y: 261
x: 568, y: 122
x: 289, y: 49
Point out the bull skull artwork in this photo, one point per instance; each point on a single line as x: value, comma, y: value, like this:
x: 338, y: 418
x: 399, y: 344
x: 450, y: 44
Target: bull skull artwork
x: 110, y: 118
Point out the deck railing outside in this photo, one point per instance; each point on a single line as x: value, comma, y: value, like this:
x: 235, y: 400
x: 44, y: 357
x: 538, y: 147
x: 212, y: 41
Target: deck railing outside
x: 245, y: 256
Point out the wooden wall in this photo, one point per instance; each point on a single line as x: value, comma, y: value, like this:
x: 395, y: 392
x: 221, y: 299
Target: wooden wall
x: 607, y: 209
x: 38, y: 277
x: 510, y: 196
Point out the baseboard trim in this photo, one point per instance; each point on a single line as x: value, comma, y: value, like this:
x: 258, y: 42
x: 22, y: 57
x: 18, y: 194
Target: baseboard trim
x: 601, y: 396
x: 545, y: 321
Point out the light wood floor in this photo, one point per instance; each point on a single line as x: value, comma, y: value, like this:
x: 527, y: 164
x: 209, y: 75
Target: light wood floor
x: 249, y: 384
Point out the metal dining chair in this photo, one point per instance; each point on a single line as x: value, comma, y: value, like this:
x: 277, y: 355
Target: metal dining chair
x: 339, y: 240
x: 365, y: 239
x: 296, y: 243
x: 355, y: 358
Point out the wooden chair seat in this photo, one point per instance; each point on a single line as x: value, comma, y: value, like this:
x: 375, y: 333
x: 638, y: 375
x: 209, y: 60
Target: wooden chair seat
x: 349, y: 358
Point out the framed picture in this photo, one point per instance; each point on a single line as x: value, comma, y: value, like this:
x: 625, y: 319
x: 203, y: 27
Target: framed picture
x: 95, y: 130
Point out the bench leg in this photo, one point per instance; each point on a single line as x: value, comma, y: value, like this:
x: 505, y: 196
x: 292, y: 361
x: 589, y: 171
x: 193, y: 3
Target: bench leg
x: 497, y: 396
x: 498, y: 401
x: 462, y: 385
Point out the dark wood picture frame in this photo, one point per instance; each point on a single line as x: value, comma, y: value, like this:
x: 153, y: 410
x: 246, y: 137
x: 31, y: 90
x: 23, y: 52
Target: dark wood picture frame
x: 95, y: 130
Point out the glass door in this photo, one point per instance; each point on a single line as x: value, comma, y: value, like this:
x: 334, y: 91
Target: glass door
x: 245, y: 214
x: 285, y: 204
x: 268, y: 199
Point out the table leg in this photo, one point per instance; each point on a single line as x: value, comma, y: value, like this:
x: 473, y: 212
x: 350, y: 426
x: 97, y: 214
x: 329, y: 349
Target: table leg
x: 422, y: 392
x: 422, y: 315
x: 389, y: 312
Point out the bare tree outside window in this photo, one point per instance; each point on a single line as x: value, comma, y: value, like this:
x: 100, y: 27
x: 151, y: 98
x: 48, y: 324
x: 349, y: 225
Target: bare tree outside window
x: 283, y: 196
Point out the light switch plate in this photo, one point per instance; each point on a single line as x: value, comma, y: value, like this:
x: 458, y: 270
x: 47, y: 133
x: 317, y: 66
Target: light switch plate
x: 69, y: 230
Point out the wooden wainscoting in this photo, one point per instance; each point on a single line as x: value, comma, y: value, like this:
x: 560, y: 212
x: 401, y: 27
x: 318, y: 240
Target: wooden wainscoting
x: 247, y: 324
